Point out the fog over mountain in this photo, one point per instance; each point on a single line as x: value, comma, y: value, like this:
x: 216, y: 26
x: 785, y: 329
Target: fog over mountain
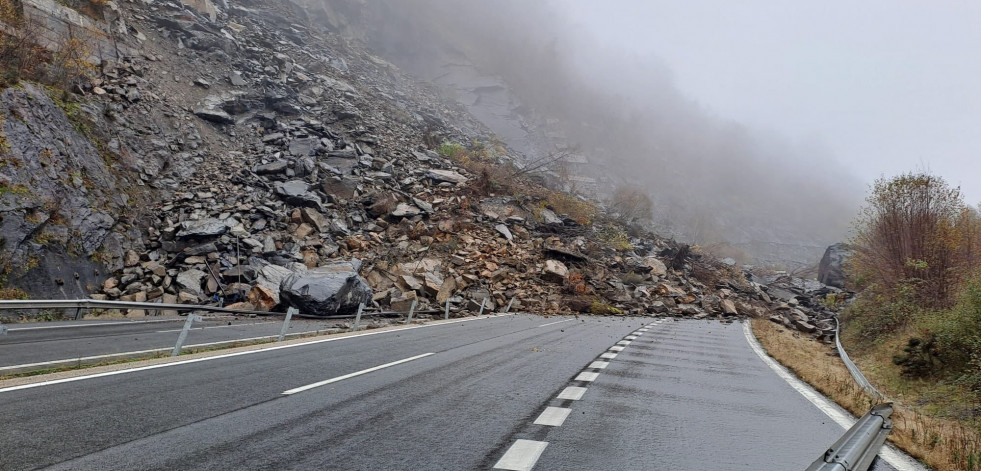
x: 597, y: 78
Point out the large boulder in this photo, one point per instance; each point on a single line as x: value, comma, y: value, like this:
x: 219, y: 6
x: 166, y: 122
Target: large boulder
x: 555, y: 271
x: 327, y: 290
x: 208, y: 227
x: 831, y: 270
x: 297, y: 193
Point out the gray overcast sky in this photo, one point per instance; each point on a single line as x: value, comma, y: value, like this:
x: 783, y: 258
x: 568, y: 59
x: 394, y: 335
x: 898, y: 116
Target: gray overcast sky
x: 890, y: 86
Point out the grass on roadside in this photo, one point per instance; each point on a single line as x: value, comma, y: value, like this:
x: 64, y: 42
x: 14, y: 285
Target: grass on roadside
x: 942, y: 444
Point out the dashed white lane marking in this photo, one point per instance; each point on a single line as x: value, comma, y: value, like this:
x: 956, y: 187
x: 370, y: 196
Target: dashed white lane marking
x: 556, y: 322
x: 623, y: 342
x: 553, y: 416
x: 608, y: 355
x: 645, y: 329
x: 599, y: 365
x: 587, y: 376
x: 572, y: 393
x: 890, y: 453
x: 522, y: 455
x: 630, y: 337
x: 229, y: 355
x: 617, y: 348
x: 351, y: 375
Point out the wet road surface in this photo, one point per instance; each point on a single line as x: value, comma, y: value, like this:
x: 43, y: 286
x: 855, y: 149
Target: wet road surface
x: 511, y: 392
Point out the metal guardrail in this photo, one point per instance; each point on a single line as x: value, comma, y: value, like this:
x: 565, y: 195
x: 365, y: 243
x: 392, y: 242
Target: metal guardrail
x: 858, y: 447
x: 80, y: 304
x: 853, y: 369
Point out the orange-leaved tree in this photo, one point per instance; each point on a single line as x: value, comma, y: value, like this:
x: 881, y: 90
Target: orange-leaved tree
x: 916, y: 235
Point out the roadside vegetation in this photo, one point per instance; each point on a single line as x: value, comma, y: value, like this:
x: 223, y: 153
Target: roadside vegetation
x: 914, y: 327
x: 916, y: 324
x: 943, y: 444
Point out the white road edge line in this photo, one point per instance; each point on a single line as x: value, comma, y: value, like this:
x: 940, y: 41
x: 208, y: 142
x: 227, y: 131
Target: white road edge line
x: 553, y: 416
x: 617, y: 348
x: 228, y: 355
x: 145, y: 352
x: 522, y: 455
x: 572, y: 393
x: 630, y: 337
x: 96, y: 324
x: 892, y: 455
x: 608, y: 355
x: 623, y: 342
x: 351, y: 375
x: 556, y: 322
x: 599, y: 365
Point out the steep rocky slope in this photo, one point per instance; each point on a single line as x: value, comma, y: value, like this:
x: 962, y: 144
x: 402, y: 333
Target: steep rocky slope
x: 237, y: 154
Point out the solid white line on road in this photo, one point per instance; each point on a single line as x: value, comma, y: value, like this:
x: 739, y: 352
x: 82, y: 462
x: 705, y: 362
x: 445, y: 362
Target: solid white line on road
x: 587, y: 376
x: 572, y: 393
x: 553, y: 416
x: 135, y: 353
x: 522, y: 455
x: 599, y: 365
x: 351, y: 375
x: 630, y: 337
x: 95, y: 324
x: 608, y: 355
x: 623, y: 342
x: 216, y: 327
x: 229, y: 355
x: 617, y: 348
x: 556, y: 322
x: 896, y: 458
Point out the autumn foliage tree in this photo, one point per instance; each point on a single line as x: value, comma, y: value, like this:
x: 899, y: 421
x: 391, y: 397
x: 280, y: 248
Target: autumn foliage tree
x: 632, y: 205
x: 917, y: 234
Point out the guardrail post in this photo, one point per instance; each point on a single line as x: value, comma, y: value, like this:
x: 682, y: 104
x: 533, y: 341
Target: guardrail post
x: 412, y: 309
x: 508, y: 309
x: 78, y: 313
x: 446, y: 315
x: 482, y: 304
x: 183, y: 336
x: 357, y: 318
x: 286, y: 323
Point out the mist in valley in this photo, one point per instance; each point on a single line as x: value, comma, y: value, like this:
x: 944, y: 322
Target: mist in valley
x: 588, y: 79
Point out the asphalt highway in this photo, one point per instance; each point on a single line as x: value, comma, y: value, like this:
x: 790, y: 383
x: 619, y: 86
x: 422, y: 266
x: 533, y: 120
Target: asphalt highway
x: 36, y: 343
x: 509, y: 392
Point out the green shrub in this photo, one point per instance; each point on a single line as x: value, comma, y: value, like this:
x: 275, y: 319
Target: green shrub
x: 451, y: 150
x: 957, y: 329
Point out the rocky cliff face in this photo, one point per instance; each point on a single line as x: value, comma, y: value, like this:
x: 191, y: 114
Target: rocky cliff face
x: 239, y: 153
x: 544, y: 89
